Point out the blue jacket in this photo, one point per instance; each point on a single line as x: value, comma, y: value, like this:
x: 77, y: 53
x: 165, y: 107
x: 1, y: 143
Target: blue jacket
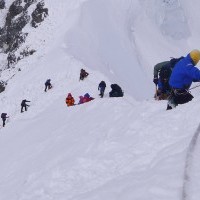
x: 163, y: 86
x: 184, y: 73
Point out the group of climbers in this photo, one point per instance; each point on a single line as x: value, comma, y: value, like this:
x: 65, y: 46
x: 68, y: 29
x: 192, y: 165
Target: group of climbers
x: 70, y: 101
x: 115, y: 92
x: 172, y: 79
x: 175, y: 77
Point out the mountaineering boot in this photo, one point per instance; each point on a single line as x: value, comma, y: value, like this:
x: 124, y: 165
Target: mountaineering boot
x: 171, y: 104
x: 168, y: 107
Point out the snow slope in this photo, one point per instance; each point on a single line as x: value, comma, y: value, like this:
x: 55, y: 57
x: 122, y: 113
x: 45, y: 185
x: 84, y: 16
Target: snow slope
x: 110, y: 148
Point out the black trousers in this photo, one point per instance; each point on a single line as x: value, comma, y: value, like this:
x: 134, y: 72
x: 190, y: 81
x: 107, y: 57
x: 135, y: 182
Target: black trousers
x: 47, y: 87
x: 181, y: 96
x: 4, y: 121
x: 23, y: 106
x: 102, y: 92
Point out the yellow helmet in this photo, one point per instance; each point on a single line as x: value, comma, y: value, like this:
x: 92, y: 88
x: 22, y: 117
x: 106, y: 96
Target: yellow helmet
x: 195, y: 56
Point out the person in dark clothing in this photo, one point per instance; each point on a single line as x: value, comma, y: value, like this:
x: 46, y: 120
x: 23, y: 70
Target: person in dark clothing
x: 116, y: 91
x: 24, y: 105
x: 4, y: 117
x: 48, y: 85
x: 83, y: 74
x: 102, y: 87
x: 162, y: 73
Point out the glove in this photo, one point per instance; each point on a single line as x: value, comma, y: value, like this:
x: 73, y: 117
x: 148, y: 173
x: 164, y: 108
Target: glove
x: 155, y: 80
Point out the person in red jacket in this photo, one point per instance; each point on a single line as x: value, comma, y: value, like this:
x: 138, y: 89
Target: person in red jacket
x: 70, y: 100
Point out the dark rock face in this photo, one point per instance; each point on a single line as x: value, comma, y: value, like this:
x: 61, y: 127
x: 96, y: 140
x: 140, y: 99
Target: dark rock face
x: 29, y: 3
x: 25, y: 53
x: 11, y: 59
x: 12, y: 35
x: 2, y: 4
x: 39, y: 14
x: 15, y: 9
x: 2, y: 86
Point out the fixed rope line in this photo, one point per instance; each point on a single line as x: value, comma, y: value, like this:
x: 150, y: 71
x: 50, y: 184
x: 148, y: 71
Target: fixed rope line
x: 194, y: 87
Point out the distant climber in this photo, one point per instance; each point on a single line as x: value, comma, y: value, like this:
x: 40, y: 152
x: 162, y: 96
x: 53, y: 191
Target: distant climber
x: 4, y: 117
x: 70, y: 100
x: 83, y: 74
x: 183, y: 74
x: 102, y: 87
x: 87, y: 98
x: 81, y: 100
x: 116, y: 91
x: 48, y: 85
x: 24, y: 105
x: 162, y: 73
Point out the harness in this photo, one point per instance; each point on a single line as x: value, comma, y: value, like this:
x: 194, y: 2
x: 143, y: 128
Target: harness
x: 180, y: 91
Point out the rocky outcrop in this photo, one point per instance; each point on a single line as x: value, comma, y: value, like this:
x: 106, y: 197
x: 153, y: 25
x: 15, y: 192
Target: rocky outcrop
x: 2, y: 86
x: 2, y: 4
x: 11, y: 34
x: 39, y: 14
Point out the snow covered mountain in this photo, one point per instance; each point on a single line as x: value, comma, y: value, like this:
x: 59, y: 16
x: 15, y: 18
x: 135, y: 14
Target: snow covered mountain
x: 111, y: 148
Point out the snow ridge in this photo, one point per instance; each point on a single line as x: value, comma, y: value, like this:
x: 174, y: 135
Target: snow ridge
x: 188, y: 165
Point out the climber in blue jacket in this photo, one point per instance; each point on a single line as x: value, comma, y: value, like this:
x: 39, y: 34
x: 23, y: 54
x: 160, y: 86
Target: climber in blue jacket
x: 183, y: 74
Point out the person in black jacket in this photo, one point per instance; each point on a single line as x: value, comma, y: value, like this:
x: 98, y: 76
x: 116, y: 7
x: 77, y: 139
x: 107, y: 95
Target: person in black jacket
x: 116, y: 91
x: 102, y: 87
x: 24, y: 105
x: 4, y: 117
x: 48, y: 85
x: 83, y: 74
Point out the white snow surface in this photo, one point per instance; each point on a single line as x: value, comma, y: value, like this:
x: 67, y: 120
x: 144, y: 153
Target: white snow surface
x: 111, y: 148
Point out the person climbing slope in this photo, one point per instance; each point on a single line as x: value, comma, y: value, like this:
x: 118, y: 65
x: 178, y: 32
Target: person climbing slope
x: 183, y: 74
x: 102, y: 87
x: 24, y: 105
x: 162, y: 73
x: 48, y: 85
x: 4, y: 117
